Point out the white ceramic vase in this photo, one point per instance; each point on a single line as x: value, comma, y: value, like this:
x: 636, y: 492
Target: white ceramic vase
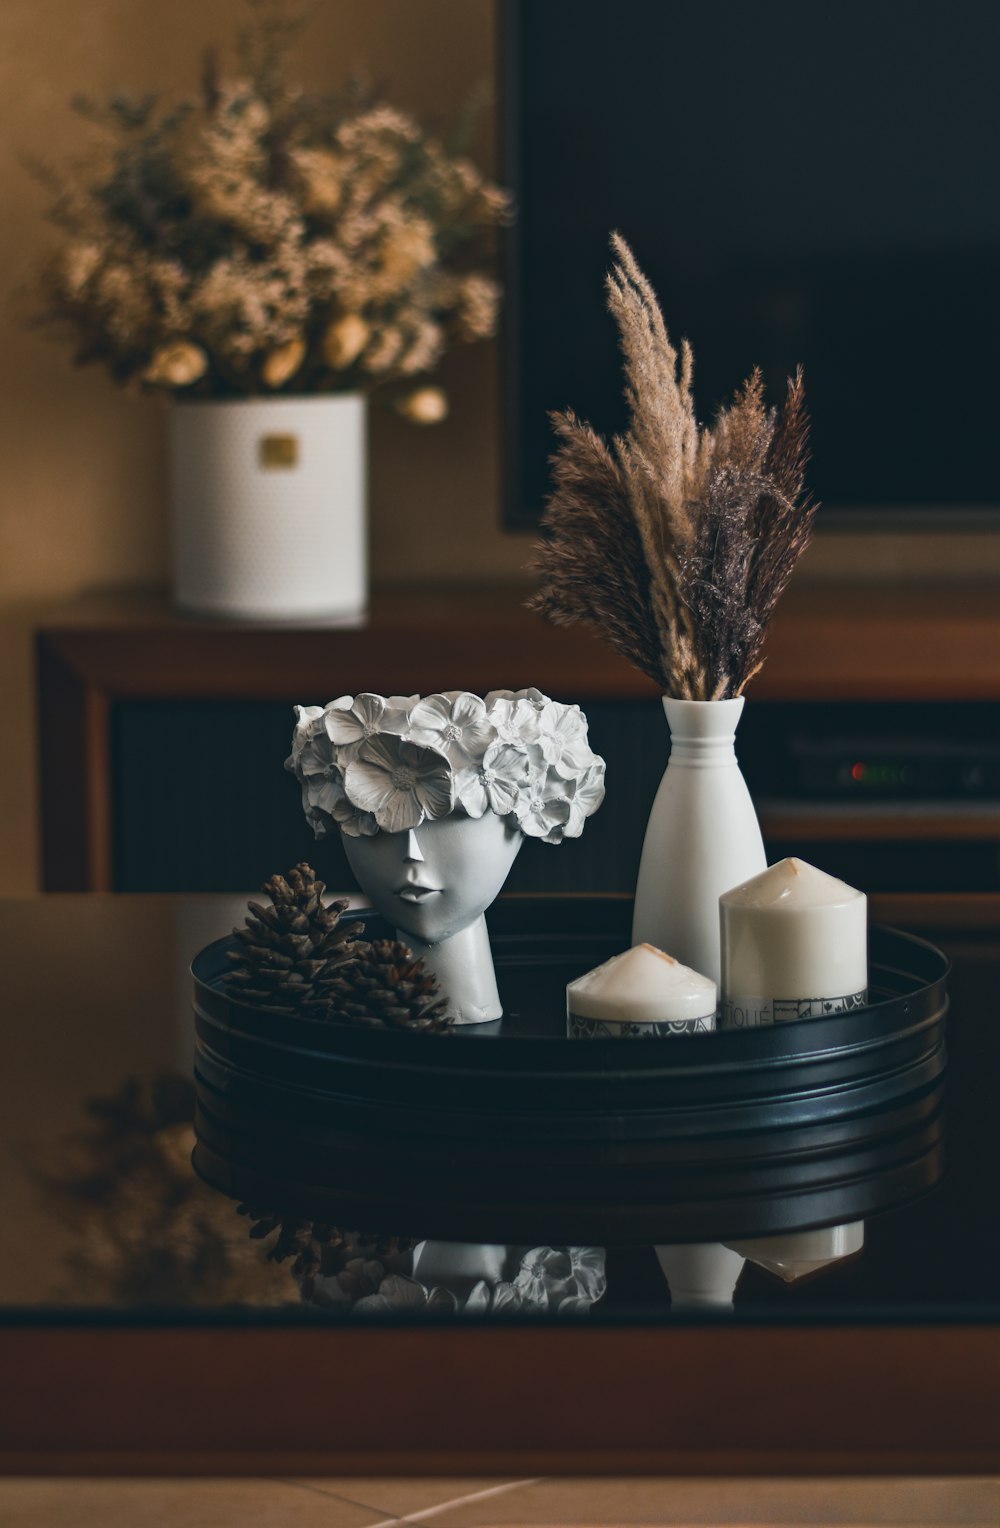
x: 702, y: 838
x: 268, y: 499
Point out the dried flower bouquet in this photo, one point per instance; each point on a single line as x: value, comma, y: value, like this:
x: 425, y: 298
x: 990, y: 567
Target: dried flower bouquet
x: 677, y: 540
x: 259, y: 239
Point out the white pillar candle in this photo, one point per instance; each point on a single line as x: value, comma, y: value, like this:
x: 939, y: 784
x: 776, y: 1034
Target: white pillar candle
x: 794, y: 946
x: 642, y: 993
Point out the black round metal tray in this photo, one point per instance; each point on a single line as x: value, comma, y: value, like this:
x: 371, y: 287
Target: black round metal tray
x: 512, y: 1132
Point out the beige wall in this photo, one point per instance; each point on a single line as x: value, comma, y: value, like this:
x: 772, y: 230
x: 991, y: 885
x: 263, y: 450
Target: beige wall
x: 82, y: 466
x: 82, y: 499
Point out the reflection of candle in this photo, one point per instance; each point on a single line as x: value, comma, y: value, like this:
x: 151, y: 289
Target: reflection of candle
x: 799, y: 1253
x: 642, y: 993
x: 794, y: 946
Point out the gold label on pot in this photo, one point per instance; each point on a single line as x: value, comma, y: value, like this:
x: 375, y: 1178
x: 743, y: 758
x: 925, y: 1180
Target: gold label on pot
x: 279, y: 451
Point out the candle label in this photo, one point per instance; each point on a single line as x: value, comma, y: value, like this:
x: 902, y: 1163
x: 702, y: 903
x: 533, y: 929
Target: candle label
x: 751, y: 1012
x: 580, y: 1028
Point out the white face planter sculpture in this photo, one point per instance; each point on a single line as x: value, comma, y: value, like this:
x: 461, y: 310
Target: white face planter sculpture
x: 434, y: 798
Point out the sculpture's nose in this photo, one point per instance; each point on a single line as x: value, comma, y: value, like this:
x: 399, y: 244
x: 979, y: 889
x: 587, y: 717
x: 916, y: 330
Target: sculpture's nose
x: 413, y: 853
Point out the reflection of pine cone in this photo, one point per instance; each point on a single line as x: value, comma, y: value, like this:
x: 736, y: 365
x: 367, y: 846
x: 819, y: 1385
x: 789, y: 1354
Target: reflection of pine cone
x: 320, y: 1248
x: 385, y: 987
x: 287, y: 950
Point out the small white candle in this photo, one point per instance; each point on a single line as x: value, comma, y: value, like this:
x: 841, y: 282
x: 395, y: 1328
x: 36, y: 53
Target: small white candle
x: 794, y: 946
x: 639, y: 994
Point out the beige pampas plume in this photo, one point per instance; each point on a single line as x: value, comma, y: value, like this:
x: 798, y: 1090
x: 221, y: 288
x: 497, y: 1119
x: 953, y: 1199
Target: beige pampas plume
x: 676, y: 541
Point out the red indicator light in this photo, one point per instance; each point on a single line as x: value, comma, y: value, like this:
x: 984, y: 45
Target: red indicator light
x: 857, y: 772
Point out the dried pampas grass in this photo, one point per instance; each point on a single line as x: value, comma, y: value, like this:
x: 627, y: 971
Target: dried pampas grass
x: 677, y: 541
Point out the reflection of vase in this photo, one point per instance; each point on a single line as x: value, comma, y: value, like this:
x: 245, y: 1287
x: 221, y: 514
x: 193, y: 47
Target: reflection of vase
x: 701, y: 1275
x: 268, y: 500
x: 702, y: 837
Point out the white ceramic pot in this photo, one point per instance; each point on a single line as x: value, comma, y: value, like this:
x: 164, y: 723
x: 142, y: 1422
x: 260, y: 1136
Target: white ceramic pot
x: 269, y: 507
x: 702, y: 838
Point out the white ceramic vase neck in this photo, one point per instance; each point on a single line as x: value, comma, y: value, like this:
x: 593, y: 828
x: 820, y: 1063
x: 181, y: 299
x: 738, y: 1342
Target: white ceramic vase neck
x: 702, y: 838
x: 702, y: 732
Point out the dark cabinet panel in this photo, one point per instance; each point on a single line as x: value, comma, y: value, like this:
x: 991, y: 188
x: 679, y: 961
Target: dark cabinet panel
x: 201, y: 801
x: 870, y: 741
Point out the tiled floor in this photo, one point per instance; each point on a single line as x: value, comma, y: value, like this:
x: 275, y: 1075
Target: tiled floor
x: 365, y: 1503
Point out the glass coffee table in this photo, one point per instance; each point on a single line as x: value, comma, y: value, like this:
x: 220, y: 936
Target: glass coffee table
x: 149, y: 1329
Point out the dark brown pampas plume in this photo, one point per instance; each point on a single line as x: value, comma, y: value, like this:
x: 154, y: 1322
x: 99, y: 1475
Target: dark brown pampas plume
x: 784, y: 518
x: 594, y: 560
x: 677, y: 541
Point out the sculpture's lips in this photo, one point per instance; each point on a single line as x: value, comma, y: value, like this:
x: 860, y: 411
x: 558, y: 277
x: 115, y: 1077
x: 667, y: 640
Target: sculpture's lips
x: 412, y: 891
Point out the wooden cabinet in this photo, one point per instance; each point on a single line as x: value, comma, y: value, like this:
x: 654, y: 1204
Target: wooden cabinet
x: 111, y: 666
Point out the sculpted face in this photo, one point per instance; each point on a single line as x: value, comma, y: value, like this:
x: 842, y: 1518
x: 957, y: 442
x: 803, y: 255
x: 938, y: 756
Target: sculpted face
x: 435, y: 880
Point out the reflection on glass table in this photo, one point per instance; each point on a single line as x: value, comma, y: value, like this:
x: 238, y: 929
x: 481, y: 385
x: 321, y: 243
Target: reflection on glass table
x: 105, y: 1215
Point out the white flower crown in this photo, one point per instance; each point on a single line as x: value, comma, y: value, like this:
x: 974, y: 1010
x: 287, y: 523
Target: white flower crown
x: 370, y: 762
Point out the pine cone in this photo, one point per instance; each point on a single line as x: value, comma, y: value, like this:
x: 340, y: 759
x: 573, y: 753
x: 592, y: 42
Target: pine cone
x: 288, y: 949
x: 385, y: 987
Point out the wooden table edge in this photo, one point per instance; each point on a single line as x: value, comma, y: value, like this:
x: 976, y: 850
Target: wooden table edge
x: 716, y: 1398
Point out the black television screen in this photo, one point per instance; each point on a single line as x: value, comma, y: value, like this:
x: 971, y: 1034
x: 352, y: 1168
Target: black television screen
x: 811, y: 183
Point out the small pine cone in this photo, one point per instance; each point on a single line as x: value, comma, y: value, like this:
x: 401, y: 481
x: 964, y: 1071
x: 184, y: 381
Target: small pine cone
x: 385, y: 987
x: 302, y: 1240
x: 286, y: 949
